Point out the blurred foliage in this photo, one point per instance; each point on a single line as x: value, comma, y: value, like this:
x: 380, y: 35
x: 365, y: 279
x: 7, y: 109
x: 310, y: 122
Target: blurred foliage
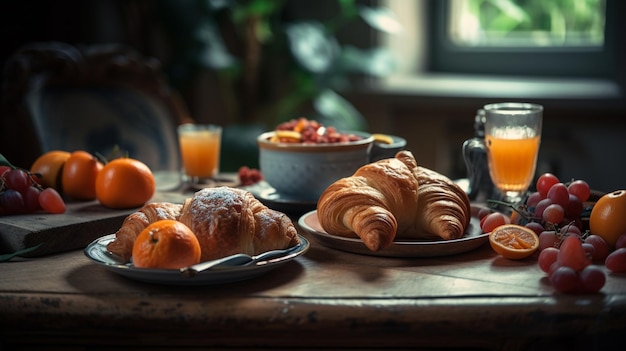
x: 271, y: 68
x: 553, y: 22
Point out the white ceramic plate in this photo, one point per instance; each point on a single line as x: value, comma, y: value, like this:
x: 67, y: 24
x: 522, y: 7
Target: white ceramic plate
x: 472, y: 239
x: 98, y: 253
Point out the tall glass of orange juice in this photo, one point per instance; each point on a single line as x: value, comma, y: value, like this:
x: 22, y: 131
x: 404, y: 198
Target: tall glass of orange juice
x: 512, y: 138
x: 200, y: 151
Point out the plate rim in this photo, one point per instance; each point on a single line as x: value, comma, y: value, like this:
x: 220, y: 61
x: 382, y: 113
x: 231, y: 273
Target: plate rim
x: 476, y: 240
x: 174, y: 277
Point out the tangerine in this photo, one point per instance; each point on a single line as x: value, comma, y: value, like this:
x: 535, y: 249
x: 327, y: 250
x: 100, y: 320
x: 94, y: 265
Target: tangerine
x: 78, y: 178
x: 514, y: 241
x: 125, y: 183
x: 607, y: 217
x: 166, y: 244
x: 49, y: 167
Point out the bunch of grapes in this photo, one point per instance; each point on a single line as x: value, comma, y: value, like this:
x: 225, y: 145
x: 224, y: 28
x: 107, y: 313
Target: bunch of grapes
x: 569, y: 267
x: 567, y: 252
x: 20, y: 193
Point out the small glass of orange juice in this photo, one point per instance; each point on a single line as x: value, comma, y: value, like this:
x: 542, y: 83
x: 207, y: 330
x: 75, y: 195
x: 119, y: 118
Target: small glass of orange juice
x: 200, y: 151
x: 512, y: 138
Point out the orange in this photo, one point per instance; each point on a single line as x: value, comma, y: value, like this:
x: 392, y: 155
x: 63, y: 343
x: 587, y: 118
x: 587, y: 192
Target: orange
x: 514, y: 241
x: 166, y: 244
x: 608, y: 217
x: 49, y: 166
x: 124, y: 183
x: 78, y: 179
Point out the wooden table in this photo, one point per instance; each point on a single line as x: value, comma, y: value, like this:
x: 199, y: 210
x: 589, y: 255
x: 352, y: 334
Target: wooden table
x: 326, y: 299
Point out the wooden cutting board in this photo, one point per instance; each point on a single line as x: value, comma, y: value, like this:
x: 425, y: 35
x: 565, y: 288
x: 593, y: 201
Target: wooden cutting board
x: 82, y: 223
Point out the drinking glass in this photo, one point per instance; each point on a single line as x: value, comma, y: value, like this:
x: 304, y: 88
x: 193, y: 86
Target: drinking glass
x: 512, y: 138
x: 200, y: 151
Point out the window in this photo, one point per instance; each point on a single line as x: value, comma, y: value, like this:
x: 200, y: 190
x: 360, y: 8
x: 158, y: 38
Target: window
x: 439, y: 54
x: 556, y: 38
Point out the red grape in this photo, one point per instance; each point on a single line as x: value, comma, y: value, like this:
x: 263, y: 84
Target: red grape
x: 616, y: 261
x: 601, y: 249
x: 570, y: 229
x: 558, y: 194
x: 535, y: 226
x: 11, y: 201
x: 494, y: 220
x: 545, y: 182
x: 17, y: 179
x: 51, y: 201
x: 541, y: 206
x: 31, y: 199
x: 548, y: 239
x: 580, y: 189
x: 572, y: 254
x: 592, y: 279
x: 621, y: 241
x: 533, y: 199
x: 574, y: 207
x: 547, y: 257
x: 565, y: 279
x: 554, y: 213
x: 589, y: 249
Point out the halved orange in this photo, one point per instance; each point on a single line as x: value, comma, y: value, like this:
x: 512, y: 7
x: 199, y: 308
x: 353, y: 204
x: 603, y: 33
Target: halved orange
x: 514, y: 241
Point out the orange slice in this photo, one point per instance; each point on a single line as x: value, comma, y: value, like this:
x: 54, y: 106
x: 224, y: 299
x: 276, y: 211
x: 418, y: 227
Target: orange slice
x: 382, y: 138
x: 286, y: 136
x: 514, y: 241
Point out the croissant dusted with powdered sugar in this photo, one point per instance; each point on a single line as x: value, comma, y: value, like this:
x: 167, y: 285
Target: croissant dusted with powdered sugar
x: 125, y: 237
x: 225, y: 220
x: 394, y: 198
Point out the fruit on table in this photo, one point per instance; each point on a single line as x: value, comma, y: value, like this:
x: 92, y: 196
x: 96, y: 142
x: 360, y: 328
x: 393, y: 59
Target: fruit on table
x: 78, y: 178
x: 514, y: 241
x: 124, y: 183
x: 608, y: 217
x: 20, y: 193
x: 166, y: 244
x: 48, y: 168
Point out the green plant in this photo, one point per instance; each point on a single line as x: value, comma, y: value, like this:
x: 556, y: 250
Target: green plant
x: 270, y: 67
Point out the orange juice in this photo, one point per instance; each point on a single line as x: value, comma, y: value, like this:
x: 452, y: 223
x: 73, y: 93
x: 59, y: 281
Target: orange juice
x: 200, y: 151
x: 512, y: 162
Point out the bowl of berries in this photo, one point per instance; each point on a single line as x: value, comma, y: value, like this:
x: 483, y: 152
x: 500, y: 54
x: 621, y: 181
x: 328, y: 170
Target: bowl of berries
x: 301, y: 157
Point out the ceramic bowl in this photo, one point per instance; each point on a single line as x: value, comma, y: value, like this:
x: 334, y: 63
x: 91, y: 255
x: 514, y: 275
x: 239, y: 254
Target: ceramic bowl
x: 304, y: 171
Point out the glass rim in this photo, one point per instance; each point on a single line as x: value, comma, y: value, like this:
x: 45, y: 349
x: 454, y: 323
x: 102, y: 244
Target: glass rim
x: 185, y: 127
x: 513, y: 106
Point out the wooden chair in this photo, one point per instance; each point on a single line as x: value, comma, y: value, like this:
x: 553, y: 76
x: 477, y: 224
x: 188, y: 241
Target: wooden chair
x: 93, y: 98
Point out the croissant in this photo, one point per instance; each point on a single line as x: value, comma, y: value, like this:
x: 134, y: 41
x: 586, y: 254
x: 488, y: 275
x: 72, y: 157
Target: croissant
x: 375, y: 203
x: 134, y: 223
x: 227, y: 221
x: 394, y: 198
x: 444, y: 209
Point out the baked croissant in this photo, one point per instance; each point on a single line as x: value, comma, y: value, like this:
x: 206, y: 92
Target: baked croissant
x: 125, y: 237
x: 378, y: 201
x: 227, y: 221
x: 394, y: 198
x: 444, y: 209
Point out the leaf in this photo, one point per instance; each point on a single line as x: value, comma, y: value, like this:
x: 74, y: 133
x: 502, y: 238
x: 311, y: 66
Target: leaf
x: 310, y: 45
x: 381, y: 18
x: 6, y: 257
x: 340, y: 111
x: 213, y: 53
x: 377, y: 61
x: 5, y: 162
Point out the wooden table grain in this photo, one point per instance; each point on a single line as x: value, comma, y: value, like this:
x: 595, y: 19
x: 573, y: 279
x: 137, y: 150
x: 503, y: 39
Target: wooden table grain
x: 325, y: 299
